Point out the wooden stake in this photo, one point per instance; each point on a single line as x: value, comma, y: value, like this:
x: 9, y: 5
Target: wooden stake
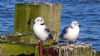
x: 40, y: 48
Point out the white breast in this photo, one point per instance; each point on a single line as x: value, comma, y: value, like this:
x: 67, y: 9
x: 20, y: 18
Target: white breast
x: 72, y: 33
x: 39, y: 30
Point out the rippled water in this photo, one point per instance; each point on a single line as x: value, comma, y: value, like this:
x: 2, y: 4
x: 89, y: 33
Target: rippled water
x: 6, y: 16
x: 87, y: 13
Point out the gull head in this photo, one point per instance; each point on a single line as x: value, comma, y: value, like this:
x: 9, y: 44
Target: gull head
x: 39, y: 20
x: 74, y: 24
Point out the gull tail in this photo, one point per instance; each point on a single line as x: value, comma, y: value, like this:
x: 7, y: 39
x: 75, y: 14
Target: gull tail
x: 61, y: 35
x: 51, y: 36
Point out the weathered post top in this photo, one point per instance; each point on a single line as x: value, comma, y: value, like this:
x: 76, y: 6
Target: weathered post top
x: 63, y: 49
x: 51, y: 13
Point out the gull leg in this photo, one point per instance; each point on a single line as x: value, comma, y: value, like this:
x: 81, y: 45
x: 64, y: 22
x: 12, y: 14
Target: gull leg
x: 68, y: 41
x: 73, y: 41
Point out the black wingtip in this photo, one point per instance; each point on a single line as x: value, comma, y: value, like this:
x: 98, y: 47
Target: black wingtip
x: 61, y: 35
x: 51, y: 36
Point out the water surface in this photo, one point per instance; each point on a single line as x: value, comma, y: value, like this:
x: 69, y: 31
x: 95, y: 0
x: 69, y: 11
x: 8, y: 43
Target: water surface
x: 86, y: 13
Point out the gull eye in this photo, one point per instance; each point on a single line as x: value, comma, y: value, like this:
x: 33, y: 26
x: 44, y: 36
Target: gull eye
x: 38, y: 20
x: 41, y: 20
x: 77, y: 23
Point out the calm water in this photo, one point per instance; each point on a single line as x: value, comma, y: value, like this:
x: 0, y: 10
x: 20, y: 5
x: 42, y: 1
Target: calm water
x: 87, y: 13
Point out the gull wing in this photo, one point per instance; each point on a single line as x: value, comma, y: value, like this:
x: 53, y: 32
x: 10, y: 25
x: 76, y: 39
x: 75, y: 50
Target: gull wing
x: 49, y: 32
x: 64, y: 31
